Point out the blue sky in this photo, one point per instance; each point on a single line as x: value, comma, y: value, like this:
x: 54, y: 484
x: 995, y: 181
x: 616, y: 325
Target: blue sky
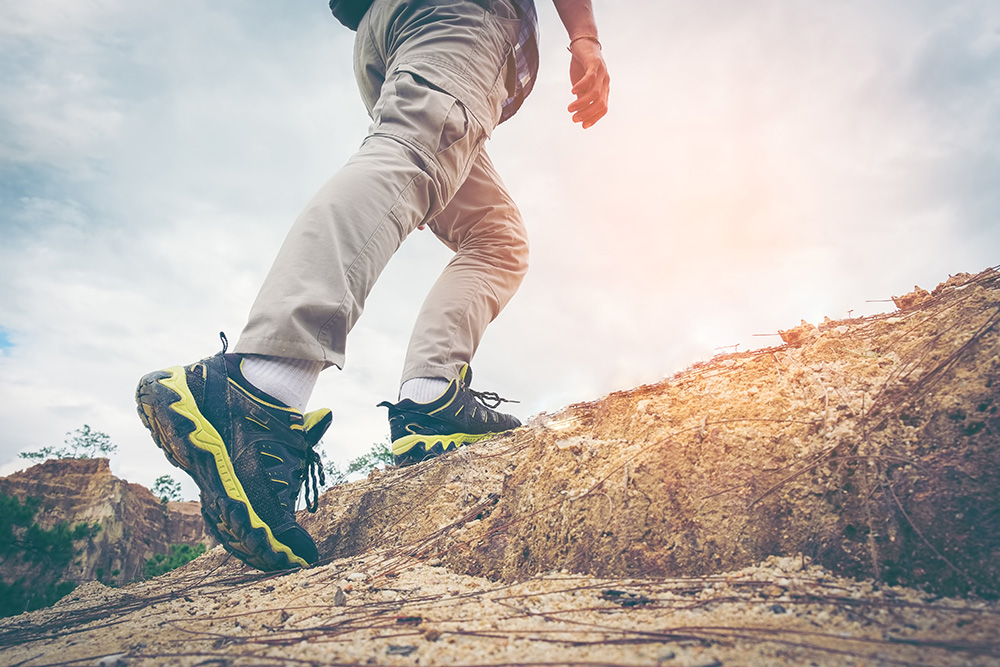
x: 762, y: 163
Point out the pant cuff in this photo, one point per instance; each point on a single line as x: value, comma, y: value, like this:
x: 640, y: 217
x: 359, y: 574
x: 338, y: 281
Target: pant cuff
x: 447, y: 371
x: 274, y: 347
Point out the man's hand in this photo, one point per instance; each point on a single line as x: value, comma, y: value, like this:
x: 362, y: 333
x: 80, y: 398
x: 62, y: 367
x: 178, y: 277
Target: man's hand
x: 591, y: 82
x: 587, y: 70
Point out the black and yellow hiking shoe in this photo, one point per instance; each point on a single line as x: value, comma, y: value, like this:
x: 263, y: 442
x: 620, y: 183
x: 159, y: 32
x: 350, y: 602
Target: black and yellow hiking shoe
x: 249, y: 454
x: 460, y: 416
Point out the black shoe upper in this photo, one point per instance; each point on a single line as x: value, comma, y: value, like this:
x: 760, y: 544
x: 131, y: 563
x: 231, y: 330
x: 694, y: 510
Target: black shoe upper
x: 268, y: 447
x: 458, y: 410
x: 267, y: 444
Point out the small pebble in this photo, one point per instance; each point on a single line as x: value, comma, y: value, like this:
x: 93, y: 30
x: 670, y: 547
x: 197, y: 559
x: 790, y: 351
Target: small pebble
x: 400, y: 650
x: 116, y: 660
x: 771, y: 591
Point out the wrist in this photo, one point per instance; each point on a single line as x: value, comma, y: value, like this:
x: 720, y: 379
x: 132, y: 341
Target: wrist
x: 589, y: 38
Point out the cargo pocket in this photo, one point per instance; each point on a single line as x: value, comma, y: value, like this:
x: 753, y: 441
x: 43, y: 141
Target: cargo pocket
x: 459, y: 142
x: 435, y: 123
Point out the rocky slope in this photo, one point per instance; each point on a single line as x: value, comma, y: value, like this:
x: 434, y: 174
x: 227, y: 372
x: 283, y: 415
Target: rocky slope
x: 872, y: 446
x: 134, y: 523
x: 832, y: 501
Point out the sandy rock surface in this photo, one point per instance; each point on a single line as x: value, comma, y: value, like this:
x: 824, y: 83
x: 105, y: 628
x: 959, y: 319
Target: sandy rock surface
x: 389, y: 610
x: 870, y: 445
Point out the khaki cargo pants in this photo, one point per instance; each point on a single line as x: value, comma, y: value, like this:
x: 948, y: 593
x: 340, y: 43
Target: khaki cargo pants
x: 433, y: 75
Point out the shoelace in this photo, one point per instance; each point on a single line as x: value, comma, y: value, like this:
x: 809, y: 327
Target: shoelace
x: 315, y: 478
x: 490, y: 399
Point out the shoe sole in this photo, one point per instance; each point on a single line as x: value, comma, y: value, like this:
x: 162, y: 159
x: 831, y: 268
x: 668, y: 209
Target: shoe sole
x: 168, y: 410
x: 412, y: 449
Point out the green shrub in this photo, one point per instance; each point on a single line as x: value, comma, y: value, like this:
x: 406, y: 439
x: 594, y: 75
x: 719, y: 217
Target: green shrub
x: 49, y: 550
x: 20, y: 596
x: 180, y: 554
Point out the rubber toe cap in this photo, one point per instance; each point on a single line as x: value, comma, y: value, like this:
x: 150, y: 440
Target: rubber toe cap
x: 300, y: 542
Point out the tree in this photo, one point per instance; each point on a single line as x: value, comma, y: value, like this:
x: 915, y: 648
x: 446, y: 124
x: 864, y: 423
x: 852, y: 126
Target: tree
x: 167, y: 489
x: 45, y: 553
x: 378, y: 455
x: 83, y: 443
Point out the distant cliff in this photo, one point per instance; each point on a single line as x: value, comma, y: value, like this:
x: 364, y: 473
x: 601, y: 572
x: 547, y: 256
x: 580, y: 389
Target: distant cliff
x: 135, y: 525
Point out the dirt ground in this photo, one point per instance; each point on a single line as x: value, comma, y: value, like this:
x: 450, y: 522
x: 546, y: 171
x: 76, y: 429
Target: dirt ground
x: 380, y: 610
x: 831, y: 501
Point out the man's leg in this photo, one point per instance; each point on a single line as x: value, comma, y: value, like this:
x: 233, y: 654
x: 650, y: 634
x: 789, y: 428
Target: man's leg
x: 484, y: 228
x: 249, y: 451
x: 437, y: 410
x: 340, y: 244
x: 431, y: 113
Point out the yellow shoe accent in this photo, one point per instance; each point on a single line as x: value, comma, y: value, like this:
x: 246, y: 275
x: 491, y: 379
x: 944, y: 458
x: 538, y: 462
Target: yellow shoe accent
x: 408, y: 442
x: 450, y: 401
x: 206, y: 438
x: 315, y: 417
x: 253, y: 398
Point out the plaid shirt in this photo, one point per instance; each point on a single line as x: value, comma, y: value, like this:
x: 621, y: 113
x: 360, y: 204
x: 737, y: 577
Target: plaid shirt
x: 525, y: 56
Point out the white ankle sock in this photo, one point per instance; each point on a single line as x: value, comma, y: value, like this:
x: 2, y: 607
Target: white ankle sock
x: 291, y: 381
x: 423, y: 390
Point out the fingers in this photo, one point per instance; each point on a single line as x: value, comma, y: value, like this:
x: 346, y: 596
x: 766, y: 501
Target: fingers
x: 591, y: 103
x: 585, y: 84
x: 591, y: 83
x: 589, y: 117
x: 585, y: 94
